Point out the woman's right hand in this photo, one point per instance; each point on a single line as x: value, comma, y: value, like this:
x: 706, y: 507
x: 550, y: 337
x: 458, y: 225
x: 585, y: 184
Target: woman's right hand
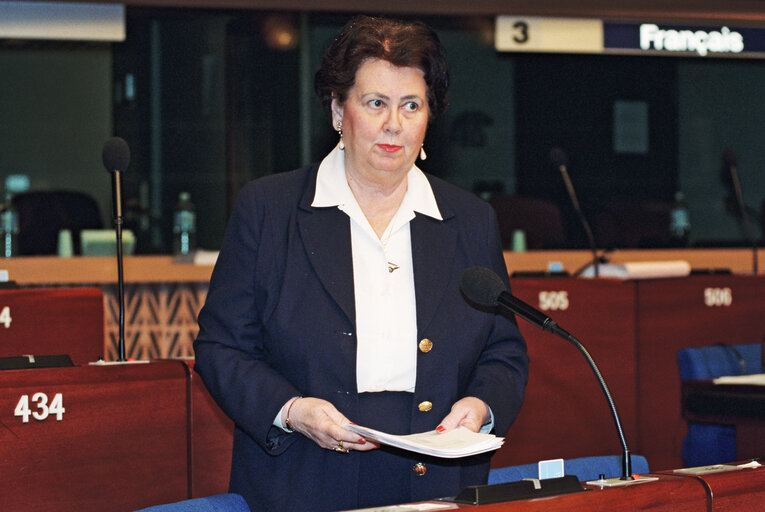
x: 319, y: 421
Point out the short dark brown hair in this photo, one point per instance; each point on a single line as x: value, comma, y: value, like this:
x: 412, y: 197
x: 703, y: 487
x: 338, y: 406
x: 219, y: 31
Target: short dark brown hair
x: 402, y: 43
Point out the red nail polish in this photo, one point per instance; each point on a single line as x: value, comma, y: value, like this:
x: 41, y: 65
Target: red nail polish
x: 362, y: 440
x: 440, y: 428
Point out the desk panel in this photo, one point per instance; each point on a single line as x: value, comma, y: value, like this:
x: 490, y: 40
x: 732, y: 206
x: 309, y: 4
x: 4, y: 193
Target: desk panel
x: 212, y: 438
x: 677, y: 313
x: 121, y: 442
x: 49, y: 321
x: 734, y: 491
x: 565, y: 413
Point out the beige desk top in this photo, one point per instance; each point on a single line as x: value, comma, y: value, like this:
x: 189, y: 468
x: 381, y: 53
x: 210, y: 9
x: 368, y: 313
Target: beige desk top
x: 101, y: 269
x: 78, y: 270
x: 737, y: 260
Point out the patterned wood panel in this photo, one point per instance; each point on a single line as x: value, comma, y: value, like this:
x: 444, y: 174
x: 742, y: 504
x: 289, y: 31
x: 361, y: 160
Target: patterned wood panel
x: 160, y: 319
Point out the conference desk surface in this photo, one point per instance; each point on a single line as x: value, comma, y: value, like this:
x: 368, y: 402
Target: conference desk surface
x: 740, y: 489
x: 737, y: 490
x: 667, y: 494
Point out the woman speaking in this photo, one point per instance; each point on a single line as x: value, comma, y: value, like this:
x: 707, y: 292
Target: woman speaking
x: 335, y: 299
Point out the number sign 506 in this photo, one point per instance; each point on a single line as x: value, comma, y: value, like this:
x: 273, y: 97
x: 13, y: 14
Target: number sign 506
x: 718, y: 297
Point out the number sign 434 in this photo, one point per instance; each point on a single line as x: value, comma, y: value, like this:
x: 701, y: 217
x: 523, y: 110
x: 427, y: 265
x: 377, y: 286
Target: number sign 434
x: 39, y: 408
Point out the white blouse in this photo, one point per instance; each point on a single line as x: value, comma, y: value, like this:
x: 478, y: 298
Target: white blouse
x: 383, y: 278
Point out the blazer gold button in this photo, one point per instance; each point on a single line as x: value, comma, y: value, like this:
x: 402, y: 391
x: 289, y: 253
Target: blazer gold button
x: 425, y: 406
x: 420, y: 469
x: 425, y: 345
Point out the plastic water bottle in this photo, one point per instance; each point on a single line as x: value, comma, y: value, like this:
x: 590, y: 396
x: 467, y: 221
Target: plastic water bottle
x: 9, y: 229
x: 184, y: 226
x: 679, y: 221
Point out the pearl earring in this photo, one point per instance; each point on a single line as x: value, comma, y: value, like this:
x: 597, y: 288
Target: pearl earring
x: 341, y: 145
x: 423, y: 156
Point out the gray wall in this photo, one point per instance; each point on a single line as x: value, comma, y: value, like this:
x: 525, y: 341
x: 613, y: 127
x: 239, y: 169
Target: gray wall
x: 721, y: 105
x: 55, y: 115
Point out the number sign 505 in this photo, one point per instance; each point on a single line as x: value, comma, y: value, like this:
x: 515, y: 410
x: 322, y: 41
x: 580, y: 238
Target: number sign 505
x: 553, y: 300
x: 42, y: 409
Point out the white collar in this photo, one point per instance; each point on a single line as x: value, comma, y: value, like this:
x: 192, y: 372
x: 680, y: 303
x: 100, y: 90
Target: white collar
x: 332, y: 188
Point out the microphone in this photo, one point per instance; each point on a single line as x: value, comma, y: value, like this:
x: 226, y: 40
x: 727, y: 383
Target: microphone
x: 731, y: 162
x: 116, y: 158
x: 485, y: 288
x: 559, y: 159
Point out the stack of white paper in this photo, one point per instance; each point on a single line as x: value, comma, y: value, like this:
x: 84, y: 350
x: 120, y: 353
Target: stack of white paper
x: 456, y: 443
x: 757, y: 379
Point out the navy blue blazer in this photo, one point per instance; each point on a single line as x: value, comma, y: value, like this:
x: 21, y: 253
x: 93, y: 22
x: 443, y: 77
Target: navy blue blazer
x: 279, y: 322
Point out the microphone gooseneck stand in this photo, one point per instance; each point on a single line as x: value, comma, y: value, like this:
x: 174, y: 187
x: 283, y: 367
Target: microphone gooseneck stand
x: 729, y: 158
x: 545, y: 323
x: 559, y: 158
x: 120, y: 276
x: 116, y: 158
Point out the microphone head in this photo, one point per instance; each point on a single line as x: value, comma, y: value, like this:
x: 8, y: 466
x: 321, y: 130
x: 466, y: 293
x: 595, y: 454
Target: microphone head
x: 558, y: 157
x: 116, y: 155
x: 482, y: 286
x: 729, y: 157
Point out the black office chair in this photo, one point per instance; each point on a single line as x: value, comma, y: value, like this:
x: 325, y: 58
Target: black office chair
x: 710, y: 443
x: 42, y: 214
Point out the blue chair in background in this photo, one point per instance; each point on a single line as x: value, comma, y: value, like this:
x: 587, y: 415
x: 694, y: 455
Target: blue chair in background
x: 585, y: 468
x: 708, y: 443
x: 218, y: 503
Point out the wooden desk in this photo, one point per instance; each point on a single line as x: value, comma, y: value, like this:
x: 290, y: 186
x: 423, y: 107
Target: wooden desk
x: 677, y: 313
x: 737, y: 491
x: 742, y: 406
x: 95, y: 437
x: 668, y: 494
x: 731, y: 491
x: 565, y: 414
x: 734, y: 491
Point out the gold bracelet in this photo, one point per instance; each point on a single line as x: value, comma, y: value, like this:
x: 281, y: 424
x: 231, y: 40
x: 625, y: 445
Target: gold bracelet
x: 287, y: 421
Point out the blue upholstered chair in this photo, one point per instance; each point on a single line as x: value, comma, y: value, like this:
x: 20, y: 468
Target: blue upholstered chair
x: 707, y: 443
x: 585, y: 468
x: 216, y: 503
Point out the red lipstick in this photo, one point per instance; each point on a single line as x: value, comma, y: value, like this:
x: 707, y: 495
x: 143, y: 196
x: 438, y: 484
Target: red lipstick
x: 389, y: 148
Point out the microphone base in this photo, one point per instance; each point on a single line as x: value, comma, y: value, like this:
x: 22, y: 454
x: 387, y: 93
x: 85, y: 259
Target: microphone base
x: 618, y: 482
x: 512, y: 491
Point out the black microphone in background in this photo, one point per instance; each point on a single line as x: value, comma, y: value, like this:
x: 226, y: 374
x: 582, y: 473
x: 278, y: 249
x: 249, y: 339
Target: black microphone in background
x: 116, y: 158
x: 484, y: 288
x: 731, y: 164
x: 558, y: 158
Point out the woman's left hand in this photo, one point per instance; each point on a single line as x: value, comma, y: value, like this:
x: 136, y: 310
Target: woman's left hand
x: 469, y: 412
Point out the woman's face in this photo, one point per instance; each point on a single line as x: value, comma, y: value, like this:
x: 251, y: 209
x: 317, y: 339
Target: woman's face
x: 384, y: 118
